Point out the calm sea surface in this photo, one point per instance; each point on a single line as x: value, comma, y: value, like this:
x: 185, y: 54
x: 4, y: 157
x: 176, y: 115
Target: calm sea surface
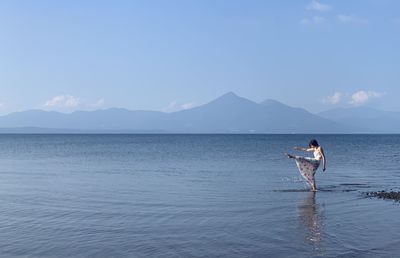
x: 195, y: 196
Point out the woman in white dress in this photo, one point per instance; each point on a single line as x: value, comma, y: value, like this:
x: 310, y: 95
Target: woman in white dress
x: 308, y: 165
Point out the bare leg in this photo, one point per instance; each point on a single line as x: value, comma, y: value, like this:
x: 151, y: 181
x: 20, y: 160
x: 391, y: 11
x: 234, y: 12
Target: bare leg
x: 314, y: 186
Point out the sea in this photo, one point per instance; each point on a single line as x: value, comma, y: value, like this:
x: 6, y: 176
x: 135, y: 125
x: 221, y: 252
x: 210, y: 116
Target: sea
x: 172, y: 195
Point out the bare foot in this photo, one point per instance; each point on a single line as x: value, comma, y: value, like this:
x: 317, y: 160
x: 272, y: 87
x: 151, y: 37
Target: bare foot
x: 289, y: 156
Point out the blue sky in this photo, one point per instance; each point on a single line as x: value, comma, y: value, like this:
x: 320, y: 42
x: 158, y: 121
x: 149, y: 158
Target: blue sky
x: 170, y: 55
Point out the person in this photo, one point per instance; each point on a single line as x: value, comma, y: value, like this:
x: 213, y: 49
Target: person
x: 308, y: 165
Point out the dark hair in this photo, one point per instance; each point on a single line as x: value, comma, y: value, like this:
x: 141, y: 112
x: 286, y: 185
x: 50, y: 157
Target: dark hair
x: 313, y: 142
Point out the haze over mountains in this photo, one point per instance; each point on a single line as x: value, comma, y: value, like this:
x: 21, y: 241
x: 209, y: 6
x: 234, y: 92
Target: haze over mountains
x: 226, y: 114
x: 368, y: 120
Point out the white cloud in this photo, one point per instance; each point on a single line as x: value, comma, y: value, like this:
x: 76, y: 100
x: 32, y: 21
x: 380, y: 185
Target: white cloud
x: 64, y: 101
x: 188, y: 105
x: 317, y: 6
x: 336, y: 98
x: 361, y: 97
x: 70, y: 103
x: 351, y: 19
x: 175, y: 106
x: 316, y: 20
x: 357, y: 98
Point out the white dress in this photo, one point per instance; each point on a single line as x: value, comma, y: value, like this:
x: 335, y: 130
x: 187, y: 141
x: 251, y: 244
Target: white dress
x: 308, y: 166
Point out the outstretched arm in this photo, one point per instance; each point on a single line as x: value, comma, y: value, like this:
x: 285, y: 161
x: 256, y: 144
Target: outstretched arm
x: 303, y: 149
x: 323, y: 159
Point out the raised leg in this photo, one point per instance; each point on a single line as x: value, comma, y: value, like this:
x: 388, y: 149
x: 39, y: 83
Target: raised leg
x: 290, y: 156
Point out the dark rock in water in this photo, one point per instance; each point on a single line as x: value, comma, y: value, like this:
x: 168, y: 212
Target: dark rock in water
x: 384, y: 195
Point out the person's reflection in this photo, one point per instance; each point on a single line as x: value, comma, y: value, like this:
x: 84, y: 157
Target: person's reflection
x: 311, y: 217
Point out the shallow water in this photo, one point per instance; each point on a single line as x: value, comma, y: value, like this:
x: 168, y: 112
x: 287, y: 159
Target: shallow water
x: 195, y: 196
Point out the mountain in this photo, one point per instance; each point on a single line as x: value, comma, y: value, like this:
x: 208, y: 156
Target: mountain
x: 299, y: 119
x: 368, y: 120
x: 227, y: 114
x: 109, y: 119
x: 234, y: 114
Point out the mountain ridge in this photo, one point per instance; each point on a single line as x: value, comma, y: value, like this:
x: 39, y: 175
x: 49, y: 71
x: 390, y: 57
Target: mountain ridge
x: 228, y: 113
x: 366, y: 118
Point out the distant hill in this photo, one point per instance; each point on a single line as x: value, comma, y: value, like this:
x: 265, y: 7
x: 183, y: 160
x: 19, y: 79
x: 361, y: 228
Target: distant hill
x: 231, y: 113
x: 226, y: 114
x: 366, y: 119
x: 109, y: 119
